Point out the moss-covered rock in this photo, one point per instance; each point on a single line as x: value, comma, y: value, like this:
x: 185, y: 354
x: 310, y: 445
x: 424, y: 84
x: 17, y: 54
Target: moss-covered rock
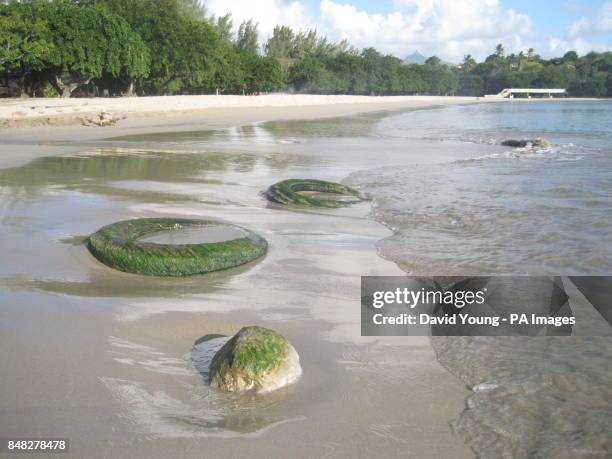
x: 257, y: 359
x: 118, y: 246
x: 522, y: 143
x: 294, y: 192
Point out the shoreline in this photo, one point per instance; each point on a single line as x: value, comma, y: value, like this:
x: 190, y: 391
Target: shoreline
x: 40, y: 112
x: 46, y: 135
x: 328, y: 342
x: 20, y: 113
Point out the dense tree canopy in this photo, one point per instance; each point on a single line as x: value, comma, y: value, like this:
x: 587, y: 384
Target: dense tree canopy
x: 67, y: 45
x: 581, y: 76
x: 70, y: 47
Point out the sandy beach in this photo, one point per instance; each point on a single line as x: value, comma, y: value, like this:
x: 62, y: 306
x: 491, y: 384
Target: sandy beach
x: 37, y: 112
x: 103, y: 357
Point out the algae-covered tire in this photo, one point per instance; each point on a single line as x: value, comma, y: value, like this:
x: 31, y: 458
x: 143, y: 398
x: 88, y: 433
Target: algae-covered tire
x: 118, y: 247
x: 288, y: 192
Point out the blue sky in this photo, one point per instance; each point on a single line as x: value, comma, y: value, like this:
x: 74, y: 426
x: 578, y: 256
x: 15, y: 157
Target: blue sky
x: 448, y: 28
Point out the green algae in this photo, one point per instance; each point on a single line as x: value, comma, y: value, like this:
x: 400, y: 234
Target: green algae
x: 288, y: 192
x: 250, y: 359
x: 118, y: 247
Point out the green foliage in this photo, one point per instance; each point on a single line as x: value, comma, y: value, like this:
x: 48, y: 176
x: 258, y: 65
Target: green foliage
x: 286, y: 44
x: 184, y: 49
x: 248, y: 37
x: 288, y: 192
x: 262, y: 73
x: 118, y: 246
x: 71, y: 44
x: 173, y: 47
x: 223, y: 25
x: 24, y: 41
x: 581, y: 76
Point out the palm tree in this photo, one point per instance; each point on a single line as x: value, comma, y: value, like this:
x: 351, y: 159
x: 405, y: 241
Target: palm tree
x: 468, y: 62
x: 521, y: 58
x: 500, y: 51
x: 530, y: 53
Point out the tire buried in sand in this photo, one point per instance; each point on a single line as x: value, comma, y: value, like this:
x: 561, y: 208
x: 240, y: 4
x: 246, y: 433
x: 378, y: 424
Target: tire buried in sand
x: 118, y: 247
x: 288, y: 192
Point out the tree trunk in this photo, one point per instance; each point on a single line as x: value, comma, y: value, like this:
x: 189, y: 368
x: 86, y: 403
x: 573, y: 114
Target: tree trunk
x: 66, y: 89
x: 130, y: 89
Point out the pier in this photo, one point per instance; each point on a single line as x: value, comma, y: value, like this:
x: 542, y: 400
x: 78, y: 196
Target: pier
x: 509, y: 93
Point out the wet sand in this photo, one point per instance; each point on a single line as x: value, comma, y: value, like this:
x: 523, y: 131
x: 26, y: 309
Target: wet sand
x: 104, y: 358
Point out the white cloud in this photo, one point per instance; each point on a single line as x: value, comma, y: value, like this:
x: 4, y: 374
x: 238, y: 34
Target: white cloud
x: 267, y: 13
x: 601, y: 22
x: 588, y: 33
x: 448, y: 28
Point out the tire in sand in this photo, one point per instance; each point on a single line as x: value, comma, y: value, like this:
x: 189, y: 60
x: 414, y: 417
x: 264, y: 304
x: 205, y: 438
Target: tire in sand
x: 325, y: 194
x: 119, y: 246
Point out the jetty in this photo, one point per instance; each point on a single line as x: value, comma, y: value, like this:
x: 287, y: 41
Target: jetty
x: 509, y: 93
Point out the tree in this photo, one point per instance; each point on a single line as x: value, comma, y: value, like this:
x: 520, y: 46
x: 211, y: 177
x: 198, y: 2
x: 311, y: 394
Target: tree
x: 500, y: 51
x: 433, y: 61
x: 23, y: 42
x: 224, y: 26
x: 309, y: 75
x: 468, y: 63
x: 184, y: 49
x: 248, y: 37
x: 531, y: 53
x: 193, y: 9
x: 281, y: 44
x: 262, y: 73
x: 570, y: 56
x: 81, y: 42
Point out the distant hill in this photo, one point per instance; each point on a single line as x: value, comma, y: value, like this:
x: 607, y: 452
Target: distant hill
x: 415, y: 58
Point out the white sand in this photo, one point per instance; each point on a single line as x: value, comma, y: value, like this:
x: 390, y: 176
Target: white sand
x: 21, y: 112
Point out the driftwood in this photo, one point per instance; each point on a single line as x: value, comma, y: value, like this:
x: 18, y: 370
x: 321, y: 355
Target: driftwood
x: 102, y: 119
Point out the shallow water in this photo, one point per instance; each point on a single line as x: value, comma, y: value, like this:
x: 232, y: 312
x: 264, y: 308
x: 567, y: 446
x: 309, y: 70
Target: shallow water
x: 205, y: 234
x: 515, y: 211
x: 94, y: 354
x: 81, y: 341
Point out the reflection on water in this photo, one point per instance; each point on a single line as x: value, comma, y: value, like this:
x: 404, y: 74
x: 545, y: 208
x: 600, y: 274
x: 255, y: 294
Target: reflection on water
x: 271, y: 132
x: 105, y: 165
x: 202, y: 234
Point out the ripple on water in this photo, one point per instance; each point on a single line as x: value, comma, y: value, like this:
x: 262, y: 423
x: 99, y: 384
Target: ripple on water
x: 512, y: 212
x: 179, y: 403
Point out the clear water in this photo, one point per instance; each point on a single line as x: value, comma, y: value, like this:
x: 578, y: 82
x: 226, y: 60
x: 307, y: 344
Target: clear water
x: 511, y: 211
x: 198, y: 235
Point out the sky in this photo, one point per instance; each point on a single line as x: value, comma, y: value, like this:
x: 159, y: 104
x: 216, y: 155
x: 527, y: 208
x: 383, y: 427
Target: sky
x: 449, y: 29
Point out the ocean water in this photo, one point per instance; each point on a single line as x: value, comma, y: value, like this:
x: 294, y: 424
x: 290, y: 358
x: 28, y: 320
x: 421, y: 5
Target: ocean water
x: 511, y: 211
x: 508, y: 211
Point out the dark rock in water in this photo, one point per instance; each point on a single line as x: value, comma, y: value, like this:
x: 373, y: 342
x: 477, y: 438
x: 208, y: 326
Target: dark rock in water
x: 257, y: 359
x: 523, y: 143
